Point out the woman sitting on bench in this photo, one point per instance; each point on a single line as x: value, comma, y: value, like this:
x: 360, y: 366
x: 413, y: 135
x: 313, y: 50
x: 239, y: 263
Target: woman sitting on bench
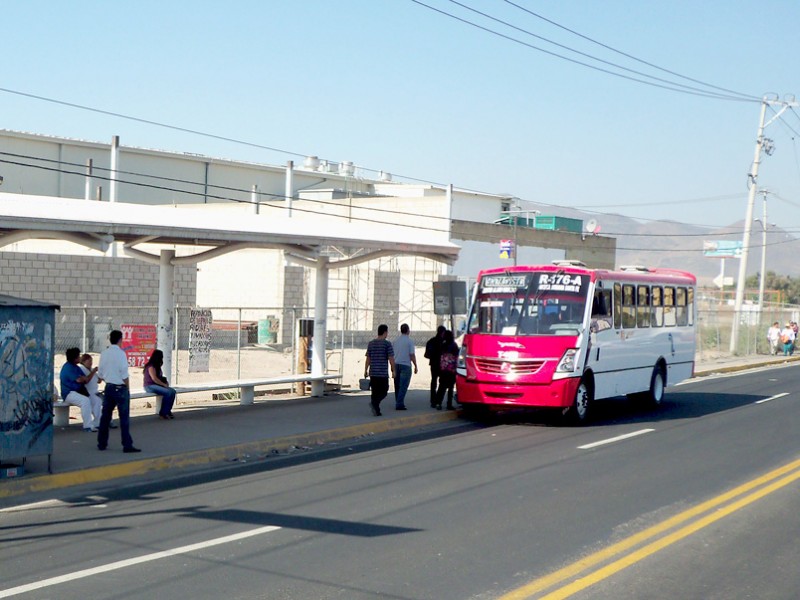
x: 156, y: 383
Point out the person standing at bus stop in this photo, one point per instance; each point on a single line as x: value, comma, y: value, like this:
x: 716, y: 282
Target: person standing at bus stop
x: 113, y: 370
x: 380, y: 357
x: 433, y: 352
x: 404, y: 358
x: 447, y: 371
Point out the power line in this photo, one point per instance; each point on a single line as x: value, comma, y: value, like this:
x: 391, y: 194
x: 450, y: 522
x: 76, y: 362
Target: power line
x: 705, y: 94
x: 590, y: 56
x: 188, y: 130
x: 486, y: 238
x: 625, y: 54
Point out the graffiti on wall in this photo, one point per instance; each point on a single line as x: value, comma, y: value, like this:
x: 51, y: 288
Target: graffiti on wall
x: 26, y: 384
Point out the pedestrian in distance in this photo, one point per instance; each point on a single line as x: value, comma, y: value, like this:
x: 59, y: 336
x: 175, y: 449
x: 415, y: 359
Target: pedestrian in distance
x: 433, y: 352
x: 73, y: 388
x: 774, y: 338
x: 404, y: 359
x: 114, y: 371
x: 156, y: 383
x: 787, y: 339
x: 379, y: 361
x: 447, y: 371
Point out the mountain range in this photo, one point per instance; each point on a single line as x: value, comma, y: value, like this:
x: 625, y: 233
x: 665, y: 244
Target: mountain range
x: 669, y: 244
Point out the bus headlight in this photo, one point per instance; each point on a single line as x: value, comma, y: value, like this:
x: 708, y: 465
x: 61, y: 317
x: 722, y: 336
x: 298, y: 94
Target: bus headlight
x: 462, y: 358
x: 567, y: 362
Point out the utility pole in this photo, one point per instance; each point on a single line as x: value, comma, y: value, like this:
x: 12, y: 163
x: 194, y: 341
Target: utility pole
x: 761, y: 144
x: 763, y: 253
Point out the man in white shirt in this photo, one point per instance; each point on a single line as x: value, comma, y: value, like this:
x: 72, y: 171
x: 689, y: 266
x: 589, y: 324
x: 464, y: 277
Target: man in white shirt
x: 404, y: 357
x: 114, y: 371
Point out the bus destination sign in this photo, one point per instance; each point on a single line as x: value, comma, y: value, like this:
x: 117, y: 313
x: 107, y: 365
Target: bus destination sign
x: 560, y: 282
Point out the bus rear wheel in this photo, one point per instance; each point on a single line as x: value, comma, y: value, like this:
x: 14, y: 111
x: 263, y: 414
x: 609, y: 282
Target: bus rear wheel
x: 658, y: 382
x: 581, y: 410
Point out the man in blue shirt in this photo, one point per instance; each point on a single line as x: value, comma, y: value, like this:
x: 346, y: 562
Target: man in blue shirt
x: 73, y: 388
x: 404, y: 357
x: 380, y: 356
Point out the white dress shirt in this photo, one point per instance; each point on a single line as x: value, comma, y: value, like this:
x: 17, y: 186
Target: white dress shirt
x: 113, y: 367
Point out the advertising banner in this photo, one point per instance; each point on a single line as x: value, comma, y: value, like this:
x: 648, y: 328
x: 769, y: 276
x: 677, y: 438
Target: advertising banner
x: 138, y: 342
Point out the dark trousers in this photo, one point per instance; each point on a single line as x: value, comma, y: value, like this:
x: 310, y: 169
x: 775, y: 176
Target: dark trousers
x: 379, y: 387
x: 119, y: 397
x: 435, y: 370
x: 447, y: 381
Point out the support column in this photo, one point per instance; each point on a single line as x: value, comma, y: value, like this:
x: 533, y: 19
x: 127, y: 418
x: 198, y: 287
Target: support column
x: 320, y: 326
x: 289, y: 187
x: 166, y: 308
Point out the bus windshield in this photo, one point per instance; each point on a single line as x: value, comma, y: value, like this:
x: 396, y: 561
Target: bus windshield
x: 530, y: 303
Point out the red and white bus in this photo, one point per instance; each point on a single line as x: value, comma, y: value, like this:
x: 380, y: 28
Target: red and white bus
x: 563, y: 335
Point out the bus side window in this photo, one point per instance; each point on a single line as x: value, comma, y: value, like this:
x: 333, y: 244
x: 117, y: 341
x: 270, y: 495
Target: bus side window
x: 617, y: 306
x: 669, y: 307
x: 681, y: 312
x: 690, y: 304
x: 601, y: 310
x: 657, y: 314
x: 628, y: 306
x: 643, y: 306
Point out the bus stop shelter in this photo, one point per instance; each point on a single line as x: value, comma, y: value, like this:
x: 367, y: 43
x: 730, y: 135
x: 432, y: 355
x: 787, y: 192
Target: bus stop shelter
x: 203, y: 234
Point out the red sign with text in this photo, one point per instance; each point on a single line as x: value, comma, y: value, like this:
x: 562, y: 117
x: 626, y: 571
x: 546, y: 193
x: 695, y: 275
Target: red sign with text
x: 138, y: 342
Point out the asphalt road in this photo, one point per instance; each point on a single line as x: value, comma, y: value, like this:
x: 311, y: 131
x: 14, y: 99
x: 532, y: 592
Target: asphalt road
x: 697, y: 499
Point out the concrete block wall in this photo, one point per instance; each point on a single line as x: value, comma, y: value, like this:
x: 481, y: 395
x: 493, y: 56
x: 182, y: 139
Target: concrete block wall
x: 71, y: 280
x: 386, y: 300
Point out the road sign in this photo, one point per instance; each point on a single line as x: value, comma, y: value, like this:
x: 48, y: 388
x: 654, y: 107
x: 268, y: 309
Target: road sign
x: 721, y: 281
x: 722, y: 249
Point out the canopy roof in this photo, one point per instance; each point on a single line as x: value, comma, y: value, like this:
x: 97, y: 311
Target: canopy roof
x: 97, y: 224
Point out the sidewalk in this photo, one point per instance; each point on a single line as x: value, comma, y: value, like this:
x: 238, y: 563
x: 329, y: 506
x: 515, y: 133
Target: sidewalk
x: 215, y: 434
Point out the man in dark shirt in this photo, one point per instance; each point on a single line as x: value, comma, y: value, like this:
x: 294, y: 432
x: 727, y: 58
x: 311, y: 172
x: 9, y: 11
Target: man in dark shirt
x: 380, y: 356
x: 433, y: 352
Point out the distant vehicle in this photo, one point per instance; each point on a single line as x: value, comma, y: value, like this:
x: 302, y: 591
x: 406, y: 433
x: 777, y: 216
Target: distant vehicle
x: 563, y: 336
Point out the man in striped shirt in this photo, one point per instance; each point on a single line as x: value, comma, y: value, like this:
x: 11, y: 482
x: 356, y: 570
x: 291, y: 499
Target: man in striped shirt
x: 380, y: 357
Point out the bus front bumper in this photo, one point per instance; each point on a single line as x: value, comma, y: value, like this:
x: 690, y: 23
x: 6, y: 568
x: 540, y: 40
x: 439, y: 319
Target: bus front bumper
x: 556, y: 394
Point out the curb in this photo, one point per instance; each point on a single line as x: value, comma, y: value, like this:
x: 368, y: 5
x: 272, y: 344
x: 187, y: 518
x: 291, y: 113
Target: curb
x: 43, y: 483
x: 744, y: 367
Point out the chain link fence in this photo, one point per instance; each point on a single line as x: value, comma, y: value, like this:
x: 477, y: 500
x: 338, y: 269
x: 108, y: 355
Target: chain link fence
x: 246, y: 343
x: 254, y: 343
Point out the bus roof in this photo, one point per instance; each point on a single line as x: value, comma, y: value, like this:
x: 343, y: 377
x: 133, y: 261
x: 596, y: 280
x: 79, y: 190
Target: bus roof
x: 641, y: 274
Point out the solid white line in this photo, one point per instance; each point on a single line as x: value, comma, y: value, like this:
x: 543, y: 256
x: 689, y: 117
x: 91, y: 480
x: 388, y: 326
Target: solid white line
x: 615, y: 439
x: 34, y: 506
x: 133, y: 561
x: 775, y: 397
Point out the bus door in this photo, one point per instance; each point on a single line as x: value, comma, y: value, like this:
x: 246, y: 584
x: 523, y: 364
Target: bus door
x: 601, y: 352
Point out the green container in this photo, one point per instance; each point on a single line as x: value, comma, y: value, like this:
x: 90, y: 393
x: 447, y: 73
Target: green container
x: 558, y: 224
x: 265, y: 333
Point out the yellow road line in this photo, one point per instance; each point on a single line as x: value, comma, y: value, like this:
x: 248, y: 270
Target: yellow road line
x: 668, y: 540
x: 574, y: 569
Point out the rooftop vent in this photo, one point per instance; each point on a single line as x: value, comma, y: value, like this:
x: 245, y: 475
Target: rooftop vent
x: 569, y: 263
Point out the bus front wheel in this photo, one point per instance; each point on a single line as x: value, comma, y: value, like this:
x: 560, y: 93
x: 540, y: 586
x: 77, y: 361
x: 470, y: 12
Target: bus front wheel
x: 581, y: 409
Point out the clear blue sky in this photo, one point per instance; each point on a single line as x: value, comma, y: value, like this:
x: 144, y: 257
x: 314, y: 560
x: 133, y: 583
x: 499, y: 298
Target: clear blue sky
x: 392, y: 85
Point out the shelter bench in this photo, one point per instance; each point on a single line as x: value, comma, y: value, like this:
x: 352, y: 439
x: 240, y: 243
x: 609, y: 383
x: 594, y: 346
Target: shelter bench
x: 246, y: 387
